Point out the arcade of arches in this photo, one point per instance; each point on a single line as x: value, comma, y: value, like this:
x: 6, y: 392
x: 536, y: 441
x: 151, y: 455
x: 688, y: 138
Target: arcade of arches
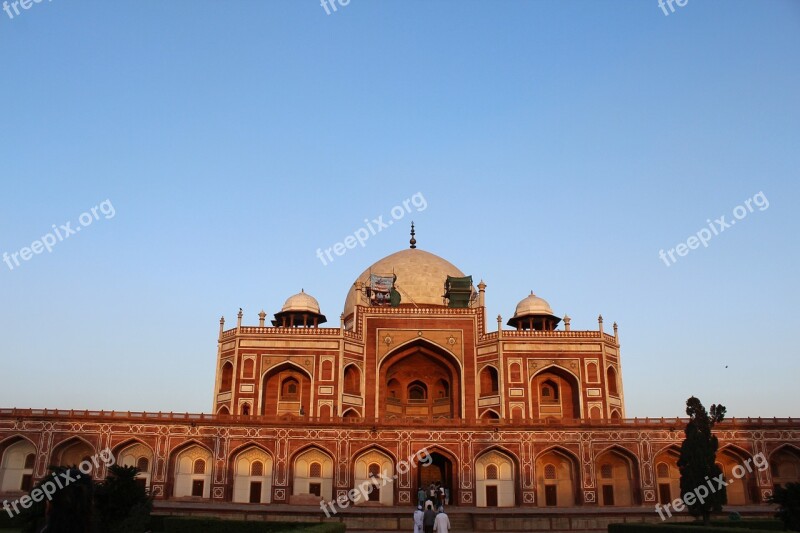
x: 558, y: 479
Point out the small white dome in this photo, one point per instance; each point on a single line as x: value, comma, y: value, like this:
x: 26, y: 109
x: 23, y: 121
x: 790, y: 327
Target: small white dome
x: 301, y: 303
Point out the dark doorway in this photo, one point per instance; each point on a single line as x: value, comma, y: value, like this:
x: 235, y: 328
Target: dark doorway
x: 197, y: 488
x: 27, y: 483
x: 315, y: 488
x: 664, y: 496
x: 255, y: 492
x: 375, y: 495
x: 141, y: 482
x: 608, y: 494
x: 550, y: 495
x: 440, y: 469
x: 491, y: 496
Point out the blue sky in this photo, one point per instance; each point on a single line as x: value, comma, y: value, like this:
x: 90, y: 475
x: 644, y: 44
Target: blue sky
x: 558, y: 145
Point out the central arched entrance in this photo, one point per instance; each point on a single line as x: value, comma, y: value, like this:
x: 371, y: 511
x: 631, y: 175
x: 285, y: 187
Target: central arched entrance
x: 441, y: 469
x: 286, y: 389
x: 420, y: 380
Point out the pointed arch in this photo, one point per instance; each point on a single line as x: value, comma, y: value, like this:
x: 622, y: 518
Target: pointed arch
x: 496, y: 474
x: 351, y: 414
x: 277, y: 396
x: 556, y: 471
x: 72, y: 451
x: 666, y: 473
x: 490, y: 414
x: 135, y: 452
x: 419, y: 360
x: 17, y: 461
x: 351, y: 379
x: 555, y: 393
x: 443, y: 465
x: 186, y: 478
x: 312, y: 481
x: 489, y: 379
x: 732, y: 458
x: 784, y: 464
x: 365, y: 463
x: 251, y: 468
x: 617, y: 476
x: 612, y: 380
x: 226, y: 377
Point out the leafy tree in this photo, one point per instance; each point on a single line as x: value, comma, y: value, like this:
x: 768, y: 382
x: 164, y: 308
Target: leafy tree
x: 788, y: 501
x: 698, y: 458
x: 122, y: 505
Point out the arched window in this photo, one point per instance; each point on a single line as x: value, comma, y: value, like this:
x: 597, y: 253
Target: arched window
x: 374, y: 470
x: 315, y: 470
x: 549, y: 471
x: 611, y: 376
x: 246, y: 409
x: 257, y: 468
x: 606, y: 471
x: 30, y: 459
x: 417, y: 391
x: 549, y: 391
x: 491, y: 472
x: 591, y: 373
x: 489, y: 381
x: 143, y: 465
x: 662, y: 470
x: 290, y: 389
x: 327, y: 370
x: 227, y: 377
x: 199, y: 467
x: 394, y: 388
x: 249, y: 365
x: 352, y: 380
x: 444, y: 388
x: 516, y: 374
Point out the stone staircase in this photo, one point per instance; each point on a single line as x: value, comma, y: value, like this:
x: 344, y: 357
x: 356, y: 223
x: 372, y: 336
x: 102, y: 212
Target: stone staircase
x: 461, y: 522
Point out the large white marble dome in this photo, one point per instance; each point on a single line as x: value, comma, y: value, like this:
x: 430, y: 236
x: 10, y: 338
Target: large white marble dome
x: 420, y: 278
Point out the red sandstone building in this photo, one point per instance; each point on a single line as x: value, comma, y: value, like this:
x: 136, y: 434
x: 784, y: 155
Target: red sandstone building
x: 528, y: 416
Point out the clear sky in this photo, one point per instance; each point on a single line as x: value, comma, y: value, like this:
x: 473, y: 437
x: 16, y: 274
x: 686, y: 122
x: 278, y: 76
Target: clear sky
x: 558, y: 147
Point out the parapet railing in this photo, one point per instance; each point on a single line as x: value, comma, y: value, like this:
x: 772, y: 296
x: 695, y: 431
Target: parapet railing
x: 583, y: 334
x: 672, y: 424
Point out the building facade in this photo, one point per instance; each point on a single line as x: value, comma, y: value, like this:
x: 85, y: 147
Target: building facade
x: 528, y: 416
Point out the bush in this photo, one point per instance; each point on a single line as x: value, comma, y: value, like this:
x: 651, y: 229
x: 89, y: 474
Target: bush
x: 762, y: 524
x: 174, y: 524
x: 788, y: 502
x: 674, y: 528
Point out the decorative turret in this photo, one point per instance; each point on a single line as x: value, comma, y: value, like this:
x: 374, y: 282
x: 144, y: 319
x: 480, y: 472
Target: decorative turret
x: 300, y: 310
x: 534, y: 313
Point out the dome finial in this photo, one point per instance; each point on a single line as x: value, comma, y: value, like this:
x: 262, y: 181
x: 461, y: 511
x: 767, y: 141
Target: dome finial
x: 413, y: 241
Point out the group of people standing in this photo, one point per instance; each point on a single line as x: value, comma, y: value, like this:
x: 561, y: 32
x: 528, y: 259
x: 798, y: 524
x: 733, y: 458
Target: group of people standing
x: 433, y: 518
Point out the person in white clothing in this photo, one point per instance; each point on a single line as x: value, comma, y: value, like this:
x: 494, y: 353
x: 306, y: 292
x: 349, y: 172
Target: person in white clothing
x: 442, y: 523
x: 418, y: 514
